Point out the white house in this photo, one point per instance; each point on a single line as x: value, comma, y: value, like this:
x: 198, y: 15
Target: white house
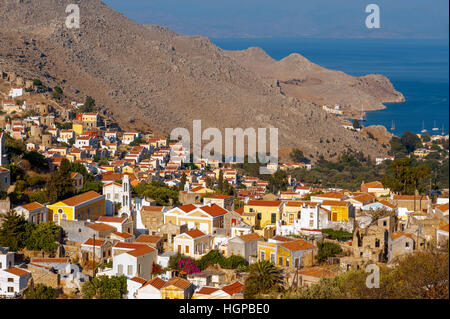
x: 15, y: 92
x: 13, y: 281
x: 6, y: 258
x: 116, y: 193
x: 133, y: 284
x: 133, y: 260
x: 33, y: 212
x: 151, y: 289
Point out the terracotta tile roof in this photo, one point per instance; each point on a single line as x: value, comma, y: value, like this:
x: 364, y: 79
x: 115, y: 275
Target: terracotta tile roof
x: 101, y: 227
x: 234, y: 288
x: 17, y: 271
x: 90, y: 242
x: 148, y: 239
x: 410, y: 197
x: 130, y: 246
x: 250, y: 237
x: 297, y: 245
x: 187, y: 208
x: 239, y: 210
x: 157, y: 282
x: 153, y: 208
x: 196, y: 189
x: 364, y: 198
x: 386, y: 203
x: 178, y: 282
x: 82, y: 198
x: 50, y: 260
x: 207, y: 290
x: 141, y: 251
x: 282, y: 238
x: 195, y: 233
x: 270, y: 203
x: 32, y: 206
x: 375, y: 184
x: 443, y: 207
x: 221, y: 196
x: 123, y: 235
x: 139, y: 280
x: 400, y: 234
x: 298, y: 203
x: 331, y: 195
x: 111, y: 219
x: 317, y: 272
x: 214, y: 210
x: 334, y: 203
x: 444, y: 228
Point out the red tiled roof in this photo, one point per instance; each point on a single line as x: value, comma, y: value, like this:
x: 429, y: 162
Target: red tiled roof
x: 139, y: 280
x: 157, y: 282
x: 250, y: 237
x: 234, y: 288
x: 141, y: 251
x: 82, y: 198
x: 111, y: 219
x: 187, y: 208
x: 195, y: 233
x: 90, y: 242
x: 297, y: 245
x: 101, y: 227
x: 32, y: 206
x: 148, y: 239
x: 214, y: 210
x: 207, y: 290
x: 271, y: 203
x: 17, y: 271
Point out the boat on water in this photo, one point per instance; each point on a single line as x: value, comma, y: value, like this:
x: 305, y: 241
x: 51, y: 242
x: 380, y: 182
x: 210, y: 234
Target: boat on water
x: 435, y: 128
x: 393, y: 126
x: 423, y: 128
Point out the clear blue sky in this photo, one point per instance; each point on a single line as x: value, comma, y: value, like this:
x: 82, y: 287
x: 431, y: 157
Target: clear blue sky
x: 290, y: 18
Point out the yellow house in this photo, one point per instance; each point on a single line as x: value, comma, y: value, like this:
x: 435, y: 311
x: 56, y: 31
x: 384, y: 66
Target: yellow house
x: 268, y: 211
x: 89, y: 205
x: 78, y: 128
x: 285, y: 254
x: 205, y: 218
x: 90, y: 119
x: 128, y: 169
x: 340, y: 210
x: 292, y: 210
x: 177, y: 288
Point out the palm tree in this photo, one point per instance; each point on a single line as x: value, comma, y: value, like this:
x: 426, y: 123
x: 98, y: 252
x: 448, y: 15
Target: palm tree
x: 264, y: 276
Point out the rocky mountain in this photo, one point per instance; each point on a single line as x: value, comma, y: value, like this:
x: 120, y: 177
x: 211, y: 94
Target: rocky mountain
x: 147, y: 77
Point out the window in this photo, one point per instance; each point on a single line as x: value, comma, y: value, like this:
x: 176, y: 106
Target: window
x: 55, y: 217
x: 287, y: 262
x: 406, y: 244
x: 291, y: 218
x: 130, y: 270
x: 280, y: 261
x: 186, y: 249
x: 263, y: 255
x: 377, y: 242
x: 120, y: 269
x: 311, y: 223
x: 259, y: 216
x: 64, y: 216
x: 179, y: 248
x: 384, y: 223
x: 10, y: 289
x: 139, y: 269
x: 10, y: 279
x: 273, y: 218
x: 272, y: 258
x: 311, y: 215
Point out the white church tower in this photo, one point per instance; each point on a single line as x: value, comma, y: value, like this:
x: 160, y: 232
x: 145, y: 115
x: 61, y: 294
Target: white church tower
x: 126, y: 196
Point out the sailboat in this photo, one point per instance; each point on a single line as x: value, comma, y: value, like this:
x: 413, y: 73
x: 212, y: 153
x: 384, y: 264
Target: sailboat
x: 443, y: 132
x: 423, y: 128
x: 393, y: 126
x: 435, y: 128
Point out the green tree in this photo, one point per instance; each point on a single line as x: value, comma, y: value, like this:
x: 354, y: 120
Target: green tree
x: 43, y: 237
x: 278, y: 181
x: 404, y: 178
x: 356, y: 124
x: 411, y: 141
x: 13, y: 231
x: 326, y: 250
x: 60, y: 185
x: 263, y: 278
x: 40, y: 291
x: 88, y: 106
x: 220, y: 181
x: 104, y: 287
x: 182, y: 182
x: 297, y: 156
x: 57, y: 92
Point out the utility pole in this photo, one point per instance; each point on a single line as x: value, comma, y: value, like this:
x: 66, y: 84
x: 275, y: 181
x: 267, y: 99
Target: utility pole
x: 93, y: 259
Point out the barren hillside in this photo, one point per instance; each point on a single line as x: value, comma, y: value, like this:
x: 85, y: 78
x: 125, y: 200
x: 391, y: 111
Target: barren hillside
x: 150, y: 77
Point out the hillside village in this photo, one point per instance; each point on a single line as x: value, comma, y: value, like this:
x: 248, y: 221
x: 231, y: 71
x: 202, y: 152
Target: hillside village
x: 128, y: 204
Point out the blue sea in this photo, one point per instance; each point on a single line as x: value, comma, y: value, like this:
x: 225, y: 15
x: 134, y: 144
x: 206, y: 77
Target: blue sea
x: 418, y: 68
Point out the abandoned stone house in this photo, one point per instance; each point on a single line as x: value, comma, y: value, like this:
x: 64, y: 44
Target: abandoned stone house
x: 372, y: 242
